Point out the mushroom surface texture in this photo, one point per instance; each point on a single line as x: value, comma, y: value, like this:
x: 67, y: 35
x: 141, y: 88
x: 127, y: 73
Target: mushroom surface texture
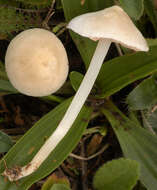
x: 36, y: 62
x: 111, y: 23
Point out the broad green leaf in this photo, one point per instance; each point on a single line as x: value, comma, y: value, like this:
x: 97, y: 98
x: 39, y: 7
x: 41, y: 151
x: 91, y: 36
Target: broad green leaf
x: 75, y: 79
x: 30, y: 143
x: 6, y: 87
x: 151, y: 12
x: 134, y: 8
x: 5, y: 142
x: 121, y: 174
x: 137, y: 144
x: 140, y: 145
x: 119, y: 72
x: 60, y: 187
x: 3, y: 74
x: 152, y: 42
x: 144, y: 96
x: 73, y: 8
x: 52, y: 98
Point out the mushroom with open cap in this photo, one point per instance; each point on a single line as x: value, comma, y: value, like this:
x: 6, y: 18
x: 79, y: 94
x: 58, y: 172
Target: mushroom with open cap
x: 108, y: 25
x: 36, y: 62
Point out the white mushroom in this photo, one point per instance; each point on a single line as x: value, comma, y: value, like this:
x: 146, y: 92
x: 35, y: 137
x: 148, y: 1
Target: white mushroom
x: 111, y: 24
x: 36, y: 62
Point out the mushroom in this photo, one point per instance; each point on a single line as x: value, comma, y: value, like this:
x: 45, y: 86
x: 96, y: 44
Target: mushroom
x: 36, y: 62
x: 109, y: 25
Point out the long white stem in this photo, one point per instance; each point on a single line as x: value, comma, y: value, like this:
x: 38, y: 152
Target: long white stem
x: 71, y: 113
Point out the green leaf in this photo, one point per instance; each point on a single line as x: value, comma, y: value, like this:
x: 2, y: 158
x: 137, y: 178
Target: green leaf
x: 152, y: 42
x: 60, y: 187
x: 144, y: 96
x: 137, y: 144
x: 119, y: 72
x: 121, y: 174
x: 140, y: 145
x: 73, y: 8
x: 5, y: 142
x: 134, y: 8
x: 151, y: 12
x: 76, y: 79
x: 6, y: 87
x: 30, y: 143
x: 3, y: 74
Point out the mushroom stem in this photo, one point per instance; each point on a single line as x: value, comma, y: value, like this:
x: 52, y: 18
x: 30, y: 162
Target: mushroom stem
x: 71, y: 113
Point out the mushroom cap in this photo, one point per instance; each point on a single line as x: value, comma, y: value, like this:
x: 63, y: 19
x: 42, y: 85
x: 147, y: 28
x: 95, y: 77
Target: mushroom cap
x: 36, y: 62
x: 111, y: 23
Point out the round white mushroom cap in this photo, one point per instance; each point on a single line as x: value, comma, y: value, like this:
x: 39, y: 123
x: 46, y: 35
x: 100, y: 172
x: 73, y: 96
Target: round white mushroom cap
x: 36, y: 62
x: 111, y: 23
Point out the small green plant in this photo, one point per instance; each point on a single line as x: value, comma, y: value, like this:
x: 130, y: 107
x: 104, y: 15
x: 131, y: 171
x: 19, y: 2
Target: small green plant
x: 14, y: 20
x: 122, y: 174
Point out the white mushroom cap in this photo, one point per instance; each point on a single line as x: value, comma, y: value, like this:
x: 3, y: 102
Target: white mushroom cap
x: 36, y: 62
x: 111, y: 23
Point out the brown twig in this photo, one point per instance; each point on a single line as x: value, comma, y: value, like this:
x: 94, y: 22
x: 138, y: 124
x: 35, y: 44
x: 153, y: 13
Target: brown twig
x: 84, y: 168
x: 92, y: 156
x: 49, y: 15
x: 65, y: 169
x: 15, y: 131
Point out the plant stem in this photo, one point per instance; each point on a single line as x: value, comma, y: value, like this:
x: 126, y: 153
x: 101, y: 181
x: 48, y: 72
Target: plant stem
x: 71, y: 113
x: 92, y: 156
